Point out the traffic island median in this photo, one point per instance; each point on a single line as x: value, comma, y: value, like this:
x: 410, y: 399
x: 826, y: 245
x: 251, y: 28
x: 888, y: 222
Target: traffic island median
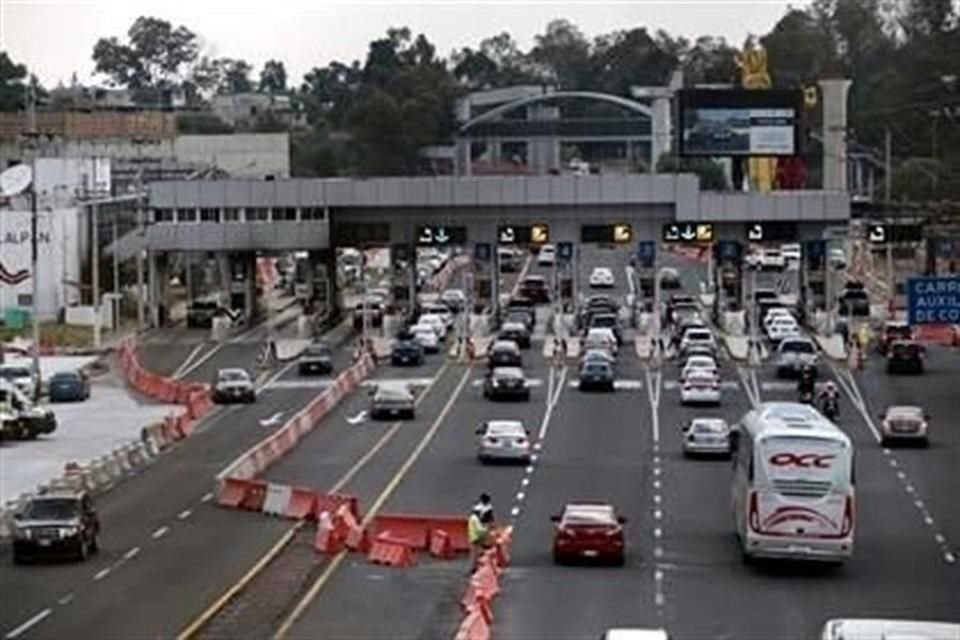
x: 833, y: 347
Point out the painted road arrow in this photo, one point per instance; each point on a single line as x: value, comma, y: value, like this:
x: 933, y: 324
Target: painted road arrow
x: 272, y: 420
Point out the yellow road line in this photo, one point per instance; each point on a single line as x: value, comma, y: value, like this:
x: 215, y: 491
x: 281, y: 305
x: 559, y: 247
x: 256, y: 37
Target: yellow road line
x: 324, y: 577
x: 210, y: 612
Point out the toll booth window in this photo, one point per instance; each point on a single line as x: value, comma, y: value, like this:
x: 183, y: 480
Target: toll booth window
x: 258, y: 214
x: 284, y: 214
x: 209, y: 215
x: 312, y: 213
x: 186, y: 215
x: 231, y: 214
x: 162, y: 215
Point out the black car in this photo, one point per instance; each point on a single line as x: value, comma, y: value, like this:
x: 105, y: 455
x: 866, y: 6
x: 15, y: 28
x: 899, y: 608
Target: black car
x: 535, y: 288
x: 504, y: 353
x: 200, y: 314
x: 854, y: 302
x: 69, y: 386
x: 905, y: 356
x: 374, y: 312
x: 595, y: 374
x: 316, y: 358
x: 56, y: 523
x: 506, y: 383
x: 526, y: 317
x: 406, y: 351
x: 517, y: 332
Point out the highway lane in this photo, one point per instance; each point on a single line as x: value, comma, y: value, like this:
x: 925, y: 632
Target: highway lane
x: 896, y: 570
x: 934, y: 472
x: 599, y: 447
x: 182, y: 557
x: 421, y: 602
x: 358, y: 460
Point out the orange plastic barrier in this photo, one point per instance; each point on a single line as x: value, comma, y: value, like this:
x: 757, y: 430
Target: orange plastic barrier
x: 391, y: 552
x: 474, y: 627
x: 440, y: 544
x: 302, y: 503
x: 254, y: 496
x: 232, y: 491
x: 333, y: 502
x: 416, y: 528
x: 327, y: 539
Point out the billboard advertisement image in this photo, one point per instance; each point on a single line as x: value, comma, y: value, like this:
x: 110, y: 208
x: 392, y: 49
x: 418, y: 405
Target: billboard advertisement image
x: 739, y: 123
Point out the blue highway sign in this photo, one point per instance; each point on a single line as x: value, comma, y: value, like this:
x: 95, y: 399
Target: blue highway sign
x: 933, y: 300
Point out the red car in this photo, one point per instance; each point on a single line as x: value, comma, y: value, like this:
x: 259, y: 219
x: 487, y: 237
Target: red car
x: 591, y: 532
x: 892, y: 332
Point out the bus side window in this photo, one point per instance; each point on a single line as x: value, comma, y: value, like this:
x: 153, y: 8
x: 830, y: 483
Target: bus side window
x: 853, y: 469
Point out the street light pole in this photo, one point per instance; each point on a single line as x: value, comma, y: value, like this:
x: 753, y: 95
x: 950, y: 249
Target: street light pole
x: 35, y: 287
x: 96, y: 275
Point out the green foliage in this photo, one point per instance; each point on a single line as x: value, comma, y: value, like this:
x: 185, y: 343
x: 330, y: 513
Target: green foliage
x: 710, y: 173
x: 152, y: 61
x: 201, y: 122
x: 273, y: 77
x: 12, y: 83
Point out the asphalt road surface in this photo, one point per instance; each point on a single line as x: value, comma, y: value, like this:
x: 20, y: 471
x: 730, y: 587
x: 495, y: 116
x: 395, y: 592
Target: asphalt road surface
x: 683, y: 572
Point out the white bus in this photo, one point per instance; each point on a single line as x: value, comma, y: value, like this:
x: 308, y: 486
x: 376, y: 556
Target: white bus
x: 793, y: 486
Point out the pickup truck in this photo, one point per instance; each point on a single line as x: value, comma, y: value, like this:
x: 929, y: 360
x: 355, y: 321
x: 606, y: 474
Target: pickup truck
x: 20, y: 419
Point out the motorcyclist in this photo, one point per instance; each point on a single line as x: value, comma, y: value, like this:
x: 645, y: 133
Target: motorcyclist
x: 829, y: 399
x: 807, y: 383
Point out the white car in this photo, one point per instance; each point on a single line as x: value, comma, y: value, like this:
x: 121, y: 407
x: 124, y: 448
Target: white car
x: 698, y: 336
x: 700, y: 387
x: 837, y: 258
x: 505, y: 440
x: 904, y: 422
x: 438, y: 309
x: 426, y: 335
x: 455, y: 299
x: 602, y: 277
x: 706, y: 436
x: 774, y: 313
x: 753, y: 259
x: 21, y: 375
x: 601, y: 338
x: 699, y: 363
x: 772, y: 259
x: 879, y: 628
x: 438, y: 323
x: 790, y: 253
x: 547, y: 256
x: 780, y: 328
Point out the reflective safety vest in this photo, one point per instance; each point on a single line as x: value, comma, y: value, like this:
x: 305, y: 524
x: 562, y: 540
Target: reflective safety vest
x: 475, y: 529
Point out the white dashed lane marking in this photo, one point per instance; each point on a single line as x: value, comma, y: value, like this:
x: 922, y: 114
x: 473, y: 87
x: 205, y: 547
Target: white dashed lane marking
x: 65, y: 600
x: 159, y: 533
x: 26, y: 626
x: 103, y: 573
x: 183, y: 515
x: 130, y: 555
x: 207, y: 497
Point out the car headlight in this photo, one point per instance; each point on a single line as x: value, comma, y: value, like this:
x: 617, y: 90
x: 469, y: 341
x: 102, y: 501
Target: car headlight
x: 23, y: 533
x: 67, y: 532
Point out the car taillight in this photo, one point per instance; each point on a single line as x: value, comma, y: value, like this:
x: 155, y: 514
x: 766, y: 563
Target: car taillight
x: 521, y: 441
x: 754, y: 514
x: 714, y: 385
x: 847, y: 526
x: 615, y: 531
x: 490, y: 440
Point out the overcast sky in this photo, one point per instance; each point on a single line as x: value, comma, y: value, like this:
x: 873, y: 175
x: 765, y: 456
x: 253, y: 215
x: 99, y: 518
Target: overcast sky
x: 55, y: 38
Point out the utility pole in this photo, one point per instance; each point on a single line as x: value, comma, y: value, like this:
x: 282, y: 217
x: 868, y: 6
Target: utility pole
x: 34, y: 136
x: 141, y: 297
x: 888, y: 165
x: 95, y: 269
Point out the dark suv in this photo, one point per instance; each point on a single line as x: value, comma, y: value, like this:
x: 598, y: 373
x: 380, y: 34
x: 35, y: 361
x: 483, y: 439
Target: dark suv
x: 905, y: 356
x: 57, y: 523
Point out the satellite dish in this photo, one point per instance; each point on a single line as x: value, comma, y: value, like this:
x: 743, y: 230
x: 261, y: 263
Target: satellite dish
x: 15, y: 179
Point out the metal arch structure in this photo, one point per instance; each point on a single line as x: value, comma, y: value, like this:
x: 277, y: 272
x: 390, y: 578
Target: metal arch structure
x: 543, y: 135
x: 496, y: 112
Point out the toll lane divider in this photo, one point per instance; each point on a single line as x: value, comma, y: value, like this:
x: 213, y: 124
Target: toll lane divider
x: 441, y: 278
x: 237, y: 485
x: 483, y: 587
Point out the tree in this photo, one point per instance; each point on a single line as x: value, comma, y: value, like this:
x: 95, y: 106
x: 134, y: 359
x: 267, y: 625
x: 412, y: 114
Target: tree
x: 12, y: 86
x: 630, y: 58
x: 564, y: 54
x: 273, y: 77
x: 710, y: 61
x: 153, y: 59
x: 712, y: 177
x: 328, y: 93
x: 236, y: 76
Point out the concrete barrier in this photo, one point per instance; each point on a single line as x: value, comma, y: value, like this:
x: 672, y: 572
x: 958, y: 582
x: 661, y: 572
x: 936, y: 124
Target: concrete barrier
x: 733, y: 322
x: 644, y: 347
x: 288, y: 349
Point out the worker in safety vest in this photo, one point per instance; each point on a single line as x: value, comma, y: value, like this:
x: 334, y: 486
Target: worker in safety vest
x: 479, y: 525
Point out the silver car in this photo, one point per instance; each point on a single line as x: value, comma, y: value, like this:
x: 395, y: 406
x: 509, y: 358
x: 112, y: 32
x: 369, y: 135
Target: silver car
x: 793, y: 354
x: 706, y: 436
x: 233, y: 385
x: 503, y: 440
x: 392, y: 401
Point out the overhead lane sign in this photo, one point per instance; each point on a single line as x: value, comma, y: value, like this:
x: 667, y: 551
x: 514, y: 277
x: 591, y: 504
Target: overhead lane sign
x: 933, y: 300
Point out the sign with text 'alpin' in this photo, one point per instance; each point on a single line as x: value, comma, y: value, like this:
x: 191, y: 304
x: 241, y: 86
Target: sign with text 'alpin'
x: 933, y: 300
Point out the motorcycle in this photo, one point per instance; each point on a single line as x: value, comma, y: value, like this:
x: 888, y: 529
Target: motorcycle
x: 830, y: 408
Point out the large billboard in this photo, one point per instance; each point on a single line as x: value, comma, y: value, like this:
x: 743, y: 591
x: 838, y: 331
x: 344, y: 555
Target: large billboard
x: 739, y: 122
